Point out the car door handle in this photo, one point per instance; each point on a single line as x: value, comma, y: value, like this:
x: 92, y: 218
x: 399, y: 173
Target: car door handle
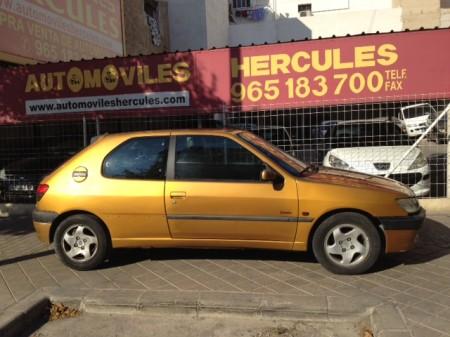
x: 177, y: 195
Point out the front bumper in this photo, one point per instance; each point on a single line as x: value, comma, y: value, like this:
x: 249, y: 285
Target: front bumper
x: 42, y: 222
x: 400, y: 232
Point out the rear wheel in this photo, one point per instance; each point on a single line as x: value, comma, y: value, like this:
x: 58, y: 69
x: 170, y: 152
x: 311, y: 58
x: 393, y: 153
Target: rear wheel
x: 347, y: 243
x: 81, y: 242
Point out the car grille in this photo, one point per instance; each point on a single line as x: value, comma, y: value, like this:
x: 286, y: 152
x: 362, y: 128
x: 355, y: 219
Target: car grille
x: 408, y: 179
x: 382, y: 166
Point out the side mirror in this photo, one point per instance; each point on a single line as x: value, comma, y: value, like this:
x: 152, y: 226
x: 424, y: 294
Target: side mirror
x: 268, y: 175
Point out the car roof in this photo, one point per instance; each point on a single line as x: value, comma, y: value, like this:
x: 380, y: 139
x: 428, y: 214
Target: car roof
x: 415, y: 106
x: 250, y: 127
x: 169, y: 132
x: 366, y: 121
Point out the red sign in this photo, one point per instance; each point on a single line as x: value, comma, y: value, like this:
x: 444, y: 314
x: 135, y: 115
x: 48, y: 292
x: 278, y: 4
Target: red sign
x: 383, y: 67
x: 53, y: 30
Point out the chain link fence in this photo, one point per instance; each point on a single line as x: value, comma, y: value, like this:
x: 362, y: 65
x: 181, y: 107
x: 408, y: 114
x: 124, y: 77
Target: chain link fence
x: 369, y: 137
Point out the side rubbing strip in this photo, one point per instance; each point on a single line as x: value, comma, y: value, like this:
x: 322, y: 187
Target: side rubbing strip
x: 238, y: 218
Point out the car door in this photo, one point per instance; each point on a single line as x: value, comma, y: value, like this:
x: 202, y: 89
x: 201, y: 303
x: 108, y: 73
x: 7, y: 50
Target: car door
x: 214, y: 191
x: 130, y: 195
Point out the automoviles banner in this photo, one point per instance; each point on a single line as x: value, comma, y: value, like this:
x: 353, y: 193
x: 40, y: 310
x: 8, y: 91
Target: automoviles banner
x: 380, y: 67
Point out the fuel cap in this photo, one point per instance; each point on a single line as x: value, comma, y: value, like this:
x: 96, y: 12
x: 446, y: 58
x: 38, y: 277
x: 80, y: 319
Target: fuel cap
x: 80, y: 174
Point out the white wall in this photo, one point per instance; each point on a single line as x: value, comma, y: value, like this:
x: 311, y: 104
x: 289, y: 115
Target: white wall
x: 216, y: 23
x: 248, y: 33
x: 323, y: 24
x: 354, y: 22
x: 196, y: 24
x: 290, y: 7
x: 187, y: 24
x: 369, y: 4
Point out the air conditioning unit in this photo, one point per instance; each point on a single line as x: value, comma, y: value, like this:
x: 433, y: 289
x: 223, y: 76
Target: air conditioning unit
x: 304, y: 10
x: 305, y: 13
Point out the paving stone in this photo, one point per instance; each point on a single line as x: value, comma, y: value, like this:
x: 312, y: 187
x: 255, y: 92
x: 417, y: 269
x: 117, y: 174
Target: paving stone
x: 430, y: 307
x: 418, y: 281
x: 445, y: 314
x: 415, y: 315
x: 394, y: 333
x: 438, y: 324
x: 403, y: 298
x: 387, y: 317
x: 422, y: 331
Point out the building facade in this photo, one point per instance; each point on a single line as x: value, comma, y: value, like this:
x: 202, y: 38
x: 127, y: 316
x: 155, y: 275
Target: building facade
x: 59, y: 30
x: 294, y: 94
x: 205, y: 24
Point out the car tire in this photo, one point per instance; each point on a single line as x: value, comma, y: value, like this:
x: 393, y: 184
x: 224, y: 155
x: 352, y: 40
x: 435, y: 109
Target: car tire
x: 81, y: 242
x: 347, y: 243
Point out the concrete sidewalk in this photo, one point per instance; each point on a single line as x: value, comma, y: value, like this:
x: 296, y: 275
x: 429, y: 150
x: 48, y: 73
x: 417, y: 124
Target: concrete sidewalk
x: 417, y: 282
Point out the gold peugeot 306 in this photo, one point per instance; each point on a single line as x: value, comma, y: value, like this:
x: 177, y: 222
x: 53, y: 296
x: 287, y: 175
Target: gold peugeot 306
x: 218, y: 188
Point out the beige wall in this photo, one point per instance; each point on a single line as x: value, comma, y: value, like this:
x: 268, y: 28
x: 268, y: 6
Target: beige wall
x: 420, y: 13
x: 445, y: 17
x: 138, y: 38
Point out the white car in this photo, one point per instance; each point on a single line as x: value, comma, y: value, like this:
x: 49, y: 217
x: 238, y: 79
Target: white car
x: 375, y: 148
x: 415, y: 119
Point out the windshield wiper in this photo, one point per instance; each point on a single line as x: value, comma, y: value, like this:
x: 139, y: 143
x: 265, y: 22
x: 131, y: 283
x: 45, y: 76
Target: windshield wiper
x: 313, y: 168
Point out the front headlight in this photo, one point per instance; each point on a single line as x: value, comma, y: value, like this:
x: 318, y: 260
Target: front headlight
x: 338, y: 163
x: 409, y: 205
x: 419, y: 162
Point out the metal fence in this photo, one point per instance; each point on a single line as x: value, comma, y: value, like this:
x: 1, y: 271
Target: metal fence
x: 369, y: 137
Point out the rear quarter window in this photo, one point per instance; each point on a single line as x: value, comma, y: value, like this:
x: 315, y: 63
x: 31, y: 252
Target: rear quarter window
x: 138, y: 158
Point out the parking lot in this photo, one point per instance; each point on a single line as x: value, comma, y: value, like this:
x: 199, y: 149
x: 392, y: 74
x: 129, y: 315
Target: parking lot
x: 418, y: 281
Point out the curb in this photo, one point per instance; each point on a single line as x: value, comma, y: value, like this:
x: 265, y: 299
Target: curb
x: 22, y: 314
x: 385, y: 319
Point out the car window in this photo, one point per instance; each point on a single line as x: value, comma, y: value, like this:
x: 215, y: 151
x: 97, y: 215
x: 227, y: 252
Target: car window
x: 215, y: 158
x: 417, y: 111
x: 369, y: 134
x: 138, y: 158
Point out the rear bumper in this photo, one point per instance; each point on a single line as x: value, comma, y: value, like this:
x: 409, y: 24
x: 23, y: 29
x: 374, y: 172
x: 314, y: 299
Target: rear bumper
x: 401, y: 232
x: 42, y: 222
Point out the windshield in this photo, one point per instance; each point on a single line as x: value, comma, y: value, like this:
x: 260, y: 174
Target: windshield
x: 286, y: 161
x: 369, y: 134
x: 417, y: 111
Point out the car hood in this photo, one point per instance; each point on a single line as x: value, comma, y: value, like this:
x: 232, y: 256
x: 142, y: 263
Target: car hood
x: 376, y: 159
x: 357, y: 180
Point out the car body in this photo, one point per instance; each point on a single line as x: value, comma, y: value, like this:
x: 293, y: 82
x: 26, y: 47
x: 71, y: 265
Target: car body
x: 376, y: 147
x: 322, y: 130
x: 415, y: 119
x: 218, y: 188
x: 19, y: 179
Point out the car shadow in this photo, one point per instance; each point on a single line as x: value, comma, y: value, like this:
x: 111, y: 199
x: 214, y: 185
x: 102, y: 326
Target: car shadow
x: 126, y: 256
x: 433, y: 243
x: 26, y: 257
x: 15, y: 219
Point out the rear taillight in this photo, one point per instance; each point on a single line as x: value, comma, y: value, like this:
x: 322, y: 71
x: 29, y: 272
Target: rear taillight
x: 40, y: 191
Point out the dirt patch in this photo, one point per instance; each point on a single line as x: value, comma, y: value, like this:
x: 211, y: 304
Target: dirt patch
x: 61, y: 311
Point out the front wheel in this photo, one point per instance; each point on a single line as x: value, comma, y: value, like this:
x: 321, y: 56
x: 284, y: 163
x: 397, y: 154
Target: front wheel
x: 347, y: 243
x: 81, y: 242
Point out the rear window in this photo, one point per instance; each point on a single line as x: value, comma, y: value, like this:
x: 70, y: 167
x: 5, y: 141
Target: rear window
x: 138, y: 158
